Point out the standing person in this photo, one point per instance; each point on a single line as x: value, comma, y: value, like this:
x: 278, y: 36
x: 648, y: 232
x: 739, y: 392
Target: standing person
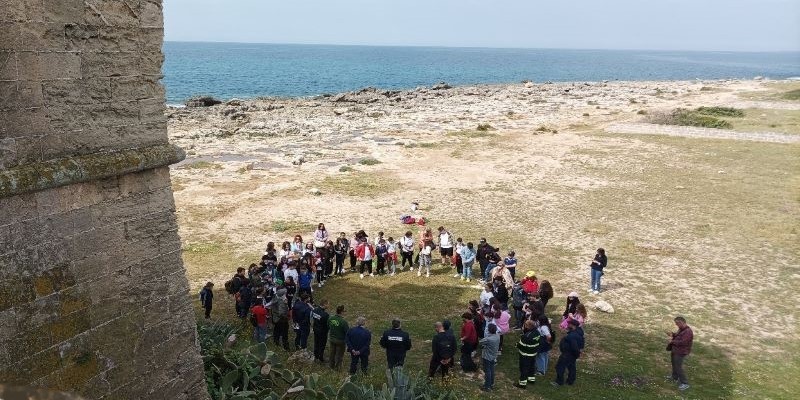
x: 337, y: 326
x: 511, y: 263
x: 570, y: 347
x: 680, y: 345
x: 425, y: 259
x: 297, y: 246
x: 572, y: 304
x: 598, y: 263
x: 341, y: 248
x: 487, y: 295
x: 500, y: 291
x: 381, y: 251
x: 320, y: 316
x: 445, y: 246
x: 518, y: 300
x: 528, y: 347
x: 491, y: 347
x: 397, y: 343
x: 280, y: 315
x: 260, y: 315
x: 407, y: 250
x: 468, y: 256
x: 291, y: 288
x: 391, y: 256
x: 243, y: 300
x: 234, y: 285
x: 358, y: 340
x: 327, y: 260
x: 443, y: 347
x: 320, y: 236
x: 354, y: 242
x: 483, y: 252
x: 457, y: 257
x: 301, y: 316
x: 207, y: 298
x: 545, y: 345
x: 305, y: 281
x: 545, y: 292
x: 469, y: 342
x: 364, y: 253
x: 502, y: 272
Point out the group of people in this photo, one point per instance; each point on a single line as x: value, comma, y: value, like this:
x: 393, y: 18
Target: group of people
x: 279, y: 290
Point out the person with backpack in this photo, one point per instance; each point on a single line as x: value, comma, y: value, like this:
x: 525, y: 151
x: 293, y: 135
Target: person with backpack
x: 596, y: 268
x: 207, y: 298
x: 320, y: 317
x: 407, y: 250
x: 258, y: 318
x: 337, y: 327
x: 528, y: 347
x: 548, y: 337
x: 570, y: 346
x: 397, y: 343
x: 280, y: 316
x: 301, y: 316
x: 443, y: 347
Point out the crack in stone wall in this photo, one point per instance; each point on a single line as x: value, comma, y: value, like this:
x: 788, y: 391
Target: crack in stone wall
x: 93, y: 294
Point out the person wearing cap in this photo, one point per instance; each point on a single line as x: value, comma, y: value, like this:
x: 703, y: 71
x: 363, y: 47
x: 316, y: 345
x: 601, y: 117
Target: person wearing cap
x: 529, y: 283
x: 397, y: 343
x: 572, y: 304
x: 570, y: 346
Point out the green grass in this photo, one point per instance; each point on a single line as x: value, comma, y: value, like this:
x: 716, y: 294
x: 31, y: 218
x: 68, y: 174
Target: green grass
x: 791, y: 95
x: 484, y: 127
x: 762, y: 120
x: 358, y: 184
x: 292, y: 226
x: 346, y: 168
x: 369, y: 161
x: 472, y: 134
x: 203, y: 165
x: 683, y: 117
x: 720, y: 111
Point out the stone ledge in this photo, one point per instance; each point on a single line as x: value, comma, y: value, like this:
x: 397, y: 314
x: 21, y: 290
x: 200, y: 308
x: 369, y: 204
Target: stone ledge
x: 66, y: 171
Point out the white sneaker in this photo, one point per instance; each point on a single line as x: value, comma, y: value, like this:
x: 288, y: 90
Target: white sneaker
x: 590, y: 290
x: 419, y: 273
x: 371, y: 274
x: 411, y: 268
x: 392, y: 274
x: 683, y: 386
x: 428, y: 275
x: 319, y: 285
x: 596, y: 292
x: 362, y: 276
x: 456, y: 275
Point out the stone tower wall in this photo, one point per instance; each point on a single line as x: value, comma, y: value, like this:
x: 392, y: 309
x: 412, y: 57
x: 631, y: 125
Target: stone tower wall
x: 93, y: 294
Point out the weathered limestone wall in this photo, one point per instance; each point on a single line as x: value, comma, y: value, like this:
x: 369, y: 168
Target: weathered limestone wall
x: 93, y: 295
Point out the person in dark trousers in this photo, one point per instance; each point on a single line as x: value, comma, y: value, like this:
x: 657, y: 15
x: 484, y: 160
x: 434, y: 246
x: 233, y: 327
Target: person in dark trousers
x: 337, y: 326
x: 598, y: 263
x: 260, y: 314
x: 491, y: 345
x: 320, y: 321
x: 469, y: 343
x: 237, y: 282
x: 680, y: 345
x: 570, y: 347
x: 485, y: 250
x: 397, y: 343
x: 207, y: 298
x: 358, y: 340
x: 243, y: 300
x: 341, y: 248
x: 301, y: 316
x: 280, y: 315
x: 443, y: 346
x: 528, y: 347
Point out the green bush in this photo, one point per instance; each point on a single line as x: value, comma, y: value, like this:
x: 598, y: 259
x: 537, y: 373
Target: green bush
x: 369, y: 161
x: 484, y: 127
x: 346, y: 168
x: 684, y: 117
x: 721, y: 111
x: 791, y: 95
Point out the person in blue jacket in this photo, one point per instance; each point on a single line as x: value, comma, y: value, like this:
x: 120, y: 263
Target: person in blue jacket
x: 358, y: 340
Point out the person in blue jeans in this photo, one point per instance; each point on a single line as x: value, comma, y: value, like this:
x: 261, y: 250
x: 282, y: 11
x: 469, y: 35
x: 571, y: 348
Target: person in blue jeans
x: 598, y: 263
x: 491, y: 346
x: 468, y: 255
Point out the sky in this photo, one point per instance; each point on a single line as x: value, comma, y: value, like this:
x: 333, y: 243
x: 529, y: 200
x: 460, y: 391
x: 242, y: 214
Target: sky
x: 731, y: 25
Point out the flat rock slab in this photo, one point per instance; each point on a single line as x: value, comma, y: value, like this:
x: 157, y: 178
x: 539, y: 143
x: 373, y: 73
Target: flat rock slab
x: 707, y: 133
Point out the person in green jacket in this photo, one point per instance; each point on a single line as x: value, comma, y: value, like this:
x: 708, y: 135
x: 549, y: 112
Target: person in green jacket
x: 528, y: 346
x: 337, y: 327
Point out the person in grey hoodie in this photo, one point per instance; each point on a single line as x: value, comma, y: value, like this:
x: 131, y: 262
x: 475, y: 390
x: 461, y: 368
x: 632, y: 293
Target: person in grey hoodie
x: 491, y: 346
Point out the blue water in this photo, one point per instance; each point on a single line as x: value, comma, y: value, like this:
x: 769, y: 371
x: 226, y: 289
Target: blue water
x: 228, y: 70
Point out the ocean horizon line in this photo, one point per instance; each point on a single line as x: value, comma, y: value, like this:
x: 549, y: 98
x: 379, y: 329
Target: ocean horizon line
x: 796, y: 51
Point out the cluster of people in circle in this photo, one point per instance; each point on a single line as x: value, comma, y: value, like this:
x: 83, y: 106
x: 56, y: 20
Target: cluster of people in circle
x: 278, y: 293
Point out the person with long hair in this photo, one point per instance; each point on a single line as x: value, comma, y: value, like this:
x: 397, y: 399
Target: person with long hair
x: 545, y: 345
x: 596, y: 268
x: 545, y: 292
x: 321, y: 236
x: 297, y: 246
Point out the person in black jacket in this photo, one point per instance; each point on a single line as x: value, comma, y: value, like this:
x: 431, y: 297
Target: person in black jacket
x: 528, y: 347
x: 341, y: 249
x: 207, y: 298
x: 397, y: 343
x: 320, y: 321
x: 570, y: 346
x: 483, y: 253
x: 301, y: 316
x: 444, y: 348
x: 598, y: 263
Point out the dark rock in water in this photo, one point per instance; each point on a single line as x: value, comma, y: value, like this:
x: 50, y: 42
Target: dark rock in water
x: 441, y: 86
x: 202, y: 101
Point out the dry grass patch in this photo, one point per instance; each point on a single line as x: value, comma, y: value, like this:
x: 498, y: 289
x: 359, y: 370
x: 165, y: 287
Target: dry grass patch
x: 359, y: 184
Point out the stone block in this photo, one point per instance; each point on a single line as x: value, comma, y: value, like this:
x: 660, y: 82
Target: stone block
x: 74, y: 299
x: 151, y: 14
x: 83, y: 38
x: 112, y: 13
x: 14, y: 123
x: 8, y: 153
x: 8, y: 66
x: 15, y: 292
x: 30, y: 61
x: 61, y: 65
x: 64, y: 11
x: 136, y: 88
x: 70, y: 325
x: 34, y: 9
x: 39, y: 366
x: 9, y: 34
x: 152, y: 110
x: 29, y: 94
x: 34, y: 36
x: 11, y: 10
x: 8, y: 92
x: 119, y: 39
x: 151, y: 40
x: 99, y: 64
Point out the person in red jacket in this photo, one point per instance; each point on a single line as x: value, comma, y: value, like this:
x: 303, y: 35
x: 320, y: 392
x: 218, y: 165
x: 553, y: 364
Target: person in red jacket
x: 469, y: 343
x: 529, y: 283
x: 680, y: 346
x: 260, y: 313
x: 365, y: 253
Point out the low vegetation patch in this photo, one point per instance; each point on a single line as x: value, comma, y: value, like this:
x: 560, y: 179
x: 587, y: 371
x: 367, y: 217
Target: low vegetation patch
x: 791, y: 95
x: 358, y: 184
x: 369, y: 161
x: 346, y: 168
x: 291, y: 226
x: 484, y: 127
x: 203, y: 165
x: 721, y: 111
x: 703, y: 117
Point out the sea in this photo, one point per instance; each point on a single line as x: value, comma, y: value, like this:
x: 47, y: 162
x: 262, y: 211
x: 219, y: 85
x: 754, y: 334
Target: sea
x: 244, y: 70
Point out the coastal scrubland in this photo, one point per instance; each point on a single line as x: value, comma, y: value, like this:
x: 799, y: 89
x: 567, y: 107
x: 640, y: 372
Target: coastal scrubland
x: 699, y: 227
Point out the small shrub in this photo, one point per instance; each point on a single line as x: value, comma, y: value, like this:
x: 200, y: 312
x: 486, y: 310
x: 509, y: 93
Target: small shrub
x: 721, y: 111
x: 592, y: 103
x: 791, y: 95
x: 707, y: 89
x: 484, y: 127
x: 346, y: 168
x: 369, y: 161
x: 641, y: 112
x: 632, y: 101
x: 683, y: 117
x: 203, y: 165
x: 585, y: 114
